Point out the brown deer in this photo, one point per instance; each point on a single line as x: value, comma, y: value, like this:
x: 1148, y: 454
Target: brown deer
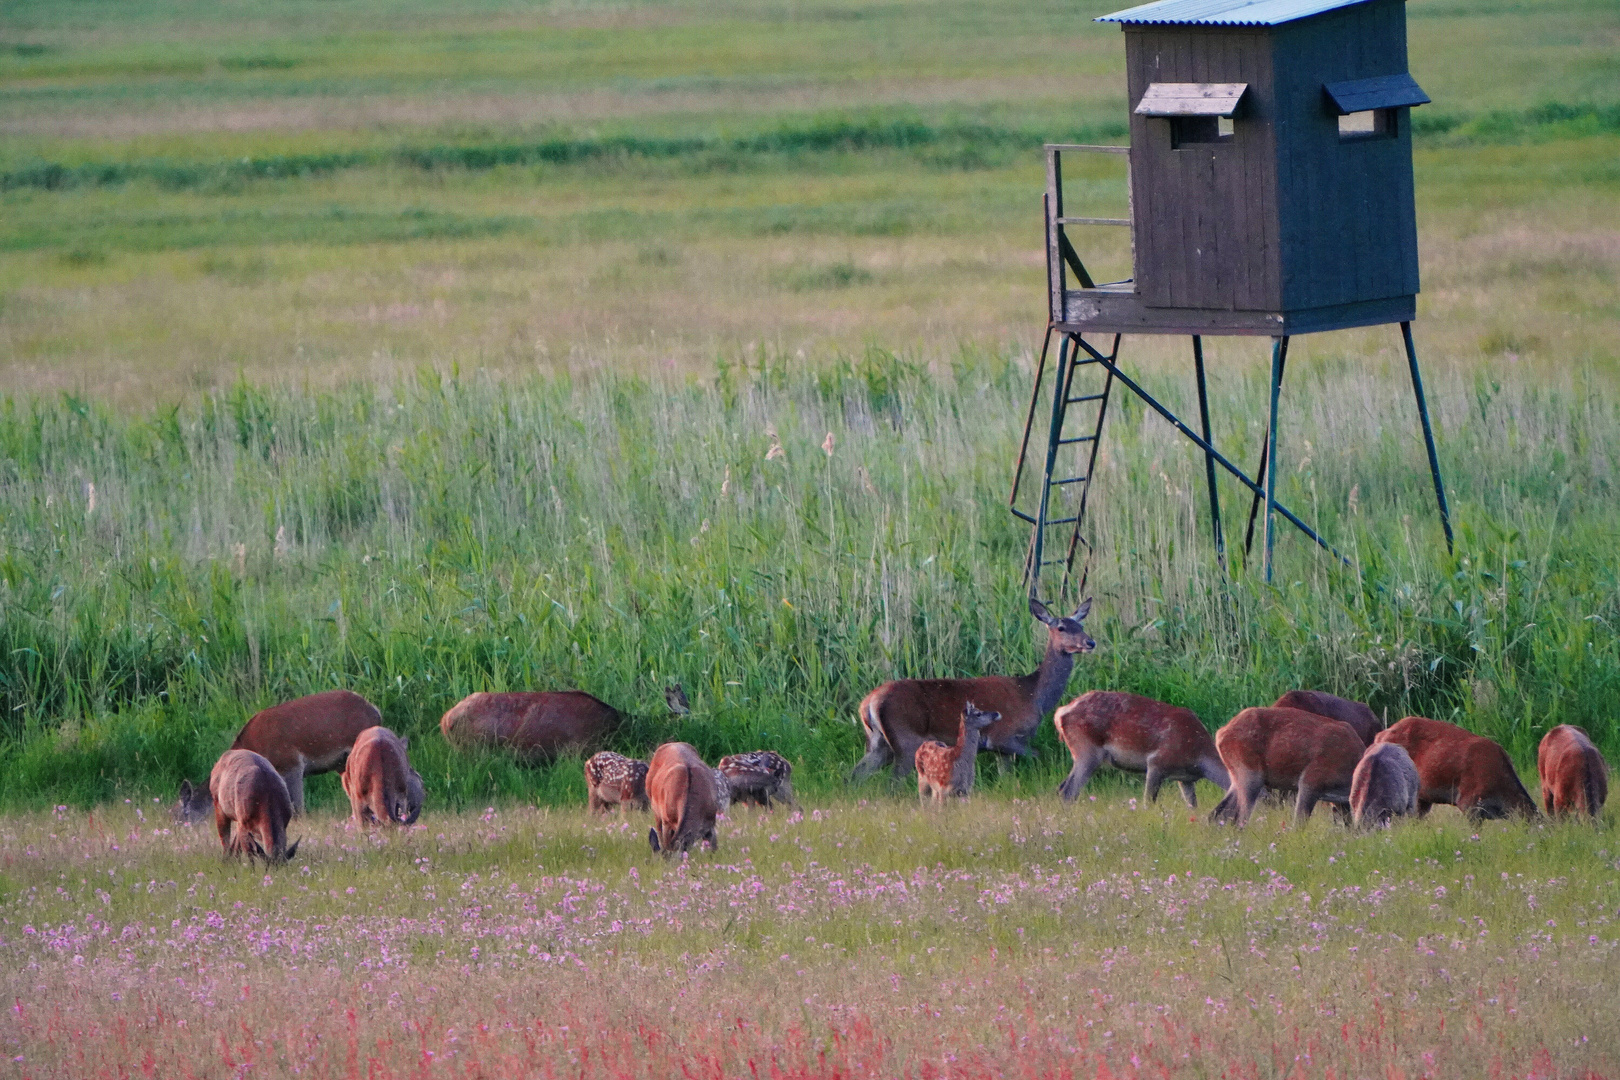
x: 942, y: 770
x: 251, y: 807
x: 1383, y: 787
x: 615, y: 780
x: 303, y: 737
x: 1458, y: 767
x: 1286, y: 750
x: 1574, y: 776
x: 377, y: 780
x: 536, y: 726
x: 1354, y: 713
x: 1137, y: 734
x: 759, y: 776
x: 900, y: 715
x: 684, y: 798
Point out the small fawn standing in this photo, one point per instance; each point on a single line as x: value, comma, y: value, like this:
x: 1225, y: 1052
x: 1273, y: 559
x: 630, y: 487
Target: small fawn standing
x: 615, y: 780
x: 758, y: 776
x: 944, y: 770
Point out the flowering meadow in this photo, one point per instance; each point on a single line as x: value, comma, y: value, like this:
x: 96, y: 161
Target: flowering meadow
x: 860, y: 939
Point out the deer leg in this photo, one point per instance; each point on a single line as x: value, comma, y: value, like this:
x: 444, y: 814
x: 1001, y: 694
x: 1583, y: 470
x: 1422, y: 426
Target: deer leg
x: 1308, y: 798
x: 1155, y: 780
x: 1086, y: 762
x: 223, y: 825
x: 295, y: 787
x: 1189, y: 792
x: 1247, y: 789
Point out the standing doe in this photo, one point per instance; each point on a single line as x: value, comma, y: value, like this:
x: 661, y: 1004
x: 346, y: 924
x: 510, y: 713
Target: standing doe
x: 533, y: 725
x: 1458, y: 767
x: 1574, y: 776
x: 944, y: 770
x: 899, y: 716
x: 1286, y: 750
x: 1137, y: 734
x: 684, y: 798
x: 251, y: 806
x: 378, y: 779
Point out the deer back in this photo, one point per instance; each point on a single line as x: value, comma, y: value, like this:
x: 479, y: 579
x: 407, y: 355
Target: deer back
x: 1281, y: 744
x: 1456, y: 766
x: 1132, y: 728
x: 540, y: 724
x: 317, y: 730
x: 1354, y: 713
x: 683, y: 797
x: 1573, y: 774
x: 247, y: 790
x: 1384, y: 785
x: 378, y: 765
x: 932, y: 708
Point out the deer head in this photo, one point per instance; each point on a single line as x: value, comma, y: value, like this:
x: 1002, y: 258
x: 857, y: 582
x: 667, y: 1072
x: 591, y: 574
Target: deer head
x: 1066, y: 634
x: 195, y: 803
x: 977, y: 719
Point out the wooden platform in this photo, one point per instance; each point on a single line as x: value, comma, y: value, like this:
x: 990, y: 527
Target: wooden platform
x: 1118, y: 309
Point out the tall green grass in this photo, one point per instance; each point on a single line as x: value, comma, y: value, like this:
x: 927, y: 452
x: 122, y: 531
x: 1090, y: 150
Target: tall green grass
x: 164, y: 575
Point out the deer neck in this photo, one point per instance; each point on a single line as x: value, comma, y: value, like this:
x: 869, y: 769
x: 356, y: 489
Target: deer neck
x: 1048, y: 682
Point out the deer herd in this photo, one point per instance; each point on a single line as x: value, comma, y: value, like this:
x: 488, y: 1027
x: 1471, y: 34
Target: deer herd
x: 1309, y: 745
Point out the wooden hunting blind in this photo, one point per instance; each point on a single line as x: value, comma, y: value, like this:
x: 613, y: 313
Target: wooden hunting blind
x: 1270, y: 184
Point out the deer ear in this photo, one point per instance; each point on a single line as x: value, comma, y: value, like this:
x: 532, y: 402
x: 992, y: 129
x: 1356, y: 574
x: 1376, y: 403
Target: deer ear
x: 405, y: 742
x: 185, y: 790
x: 1083, y: 610
x: 1038, y: 609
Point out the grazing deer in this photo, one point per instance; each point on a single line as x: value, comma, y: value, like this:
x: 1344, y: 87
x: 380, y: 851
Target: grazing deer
x: 299, y: 738
x: 1574, y: 776
x: 251, y: 807
x: 944, y: 770
x: 535, y: 726
x: 1137, y: 734
x: 1286, y: 750
x: 900, y: 715
x: 377, y: 780
x: 1354, y: 713
x: 684, y: 798
x: 758, y: 776
x: 1458, y: 767
x: 615, y: 780
x: 1383, y: 787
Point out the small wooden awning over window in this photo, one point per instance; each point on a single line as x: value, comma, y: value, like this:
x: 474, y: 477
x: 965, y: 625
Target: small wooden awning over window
x: 1380, y: 92
x: 1191, y: 99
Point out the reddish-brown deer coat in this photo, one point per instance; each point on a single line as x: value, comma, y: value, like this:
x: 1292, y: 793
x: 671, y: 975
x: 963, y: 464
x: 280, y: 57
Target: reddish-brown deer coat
x: 900, y: 716
x: 946, y: 770
x: 615, y: 780
x: 1286, y: 750
x: 1354, y: 713
x: 1458, y: 767
x: 1137, y: 734
x: 377, y: 779
x: 251, y: 806
x: 684, y: 798
x: 536, y: 725
x: 1383, y: 787
x: 1574, y: 776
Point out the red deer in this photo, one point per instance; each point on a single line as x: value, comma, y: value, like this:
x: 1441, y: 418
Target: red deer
x: 377, y: 779
x: 251, y: 806
x: 1384, y: 786
x: 1137, y: 734
x: 615, y: 780
x: 1354, y: 713
x: 758, y: 776
x: 900, y: 715
x: 682, y: 791
x: 534, y: 725
x: 1286, y: 750
x: 1458, y: 767
x: 299, y: 738
x: 1574, y: 776
x: 944, y: 770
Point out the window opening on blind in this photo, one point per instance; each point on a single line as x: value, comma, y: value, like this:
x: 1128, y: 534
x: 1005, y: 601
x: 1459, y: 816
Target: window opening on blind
x: 1195, y: 130
x: 1367, y: 124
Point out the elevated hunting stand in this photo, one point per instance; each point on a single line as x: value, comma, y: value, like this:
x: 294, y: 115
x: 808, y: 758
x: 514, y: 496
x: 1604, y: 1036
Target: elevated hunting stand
x: 1270, y: 182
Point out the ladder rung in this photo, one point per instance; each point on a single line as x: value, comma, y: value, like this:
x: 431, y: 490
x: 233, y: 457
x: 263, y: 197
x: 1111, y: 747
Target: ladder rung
x: 1077, y: 438
x: 1054, y: 562
x: 1017, y: 513
x: 1088, y: 397
x: 1061, y: 521
x: 1070, y: 480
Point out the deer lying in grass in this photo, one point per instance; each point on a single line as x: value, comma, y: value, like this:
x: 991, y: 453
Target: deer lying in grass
x: 379, y: 780
x: 1383, y: 787
x: 1458, y: 767
x: 299, y: 738
x: 759, y: 776
x: 615, y: 780
x: 1574, y: 776
x: 900, y: 716
x: 1354, y: 713
x: 1137, y: 734
x: 943, y: 771
x: 1286, y: 750
x: 684, y: 797
x: 536, y: 726
x: 251, y: 807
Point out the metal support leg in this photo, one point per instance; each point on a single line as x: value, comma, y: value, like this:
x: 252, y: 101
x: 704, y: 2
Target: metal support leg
x: 1265, y: 450
x: 1277, y: 347
x: 1209, y: 461
x: 1428, y: 432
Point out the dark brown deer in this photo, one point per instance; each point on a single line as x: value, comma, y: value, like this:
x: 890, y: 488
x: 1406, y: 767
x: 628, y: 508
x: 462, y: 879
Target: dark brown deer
x: 537, y: 726
x: 615, y: 780
x: 251, y: 807
x: 1574, y: 776
x: 303, y: 737
x: 1383, y: 787
x: 759, y: 776
x: 377, y: 780
x: 684, y: 798
x: 1286, y: 750
x: 1354, y: 713
x: 900, y: 715
x: 1137, y: 734
x: 1458, y: 767
x: 942, y: 770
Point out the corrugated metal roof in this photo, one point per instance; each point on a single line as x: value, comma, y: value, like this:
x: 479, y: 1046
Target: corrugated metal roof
x: 1225, y: 12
